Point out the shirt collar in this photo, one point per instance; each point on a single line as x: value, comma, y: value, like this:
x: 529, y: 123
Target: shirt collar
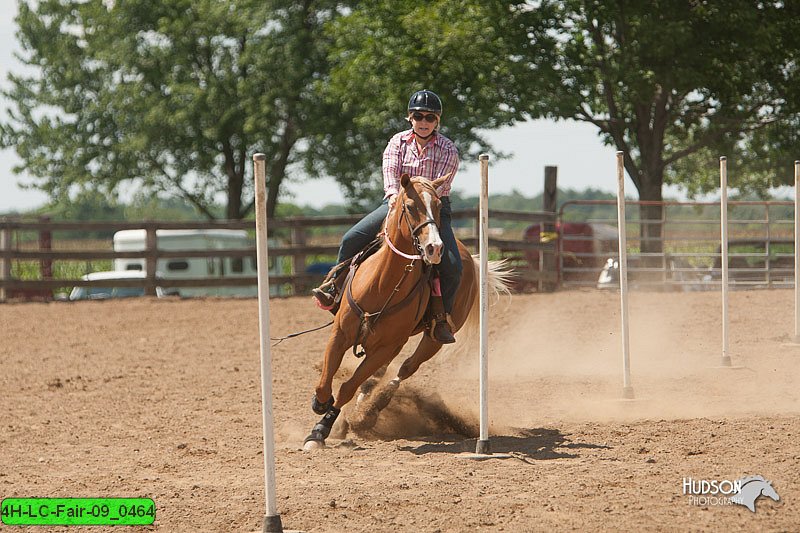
x: 408, y: 137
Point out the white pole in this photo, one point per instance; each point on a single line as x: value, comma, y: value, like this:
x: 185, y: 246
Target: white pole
x: 627, y: 389
x: 482, y: 446
x: 272, y: 520
x: 796, y: 254
x: 723, y: 216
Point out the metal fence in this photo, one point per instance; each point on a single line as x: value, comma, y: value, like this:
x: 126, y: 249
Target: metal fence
x: 686, y: 253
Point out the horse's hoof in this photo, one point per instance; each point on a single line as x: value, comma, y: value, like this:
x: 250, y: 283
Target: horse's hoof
x: 315, y: 441
x: 321, y: 408
x: 311, y: 445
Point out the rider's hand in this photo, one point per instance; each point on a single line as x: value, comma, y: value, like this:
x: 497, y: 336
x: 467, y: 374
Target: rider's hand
x: 392, y: 199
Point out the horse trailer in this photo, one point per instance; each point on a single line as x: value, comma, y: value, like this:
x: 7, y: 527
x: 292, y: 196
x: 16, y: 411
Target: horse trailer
x: 196, y: 267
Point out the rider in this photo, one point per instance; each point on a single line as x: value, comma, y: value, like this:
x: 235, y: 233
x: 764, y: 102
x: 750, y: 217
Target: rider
x: 419, y: 151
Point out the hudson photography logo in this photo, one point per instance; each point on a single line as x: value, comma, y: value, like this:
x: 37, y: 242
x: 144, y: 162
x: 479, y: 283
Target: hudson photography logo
x: 714, y: 492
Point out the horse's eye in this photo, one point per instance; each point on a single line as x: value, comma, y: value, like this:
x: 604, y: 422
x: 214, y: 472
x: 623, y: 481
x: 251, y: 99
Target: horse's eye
x: 410, y: 204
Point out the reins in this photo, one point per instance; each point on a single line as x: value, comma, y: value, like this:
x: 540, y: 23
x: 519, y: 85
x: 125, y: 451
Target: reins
x: 292, y: 335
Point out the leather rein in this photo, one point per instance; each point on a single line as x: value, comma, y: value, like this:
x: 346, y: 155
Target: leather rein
x: 370, y: 319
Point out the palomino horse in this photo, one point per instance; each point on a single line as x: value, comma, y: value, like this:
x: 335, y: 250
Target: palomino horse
x: 387, y: 299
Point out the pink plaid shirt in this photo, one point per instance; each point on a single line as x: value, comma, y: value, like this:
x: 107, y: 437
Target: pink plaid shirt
x: 402, y: 155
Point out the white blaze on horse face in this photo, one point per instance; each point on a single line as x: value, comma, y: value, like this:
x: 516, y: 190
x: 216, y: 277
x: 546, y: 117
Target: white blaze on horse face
x: 432, y: 245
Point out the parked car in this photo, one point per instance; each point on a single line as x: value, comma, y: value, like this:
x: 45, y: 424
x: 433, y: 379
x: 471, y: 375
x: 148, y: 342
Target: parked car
x: 105, y: 293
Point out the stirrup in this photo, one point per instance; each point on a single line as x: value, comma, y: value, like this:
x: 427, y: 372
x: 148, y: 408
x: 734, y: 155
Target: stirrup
x: 329, y: 282
x: 325, y: 299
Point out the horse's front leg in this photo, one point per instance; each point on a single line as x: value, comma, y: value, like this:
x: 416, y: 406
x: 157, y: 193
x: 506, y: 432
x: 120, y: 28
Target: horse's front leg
x: 338, y: 343
x: 369, y: 385
x: 374, y: 359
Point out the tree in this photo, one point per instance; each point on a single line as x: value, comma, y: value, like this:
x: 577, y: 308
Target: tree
x: 175, y: 96
x: 172, y: 96
x: 668, y: 81
x: 464, y: 50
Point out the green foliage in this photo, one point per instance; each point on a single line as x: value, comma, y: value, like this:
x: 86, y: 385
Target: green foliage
x: 87, y: 205
x: 174, y: 97
x: 675, y: 84
x: 153, y: 207
x: 382, y: 52
x: 67, y: 270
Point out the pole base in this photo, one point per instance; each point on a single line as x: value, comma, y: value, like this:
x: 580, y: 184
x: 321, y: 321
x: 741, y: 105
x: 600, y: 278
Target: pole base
x: 726, y: 364
x: 482, y: 447
x: 483, y: 456
x: 627, y: 393
x: 482, y: 452
x: 272, y: 524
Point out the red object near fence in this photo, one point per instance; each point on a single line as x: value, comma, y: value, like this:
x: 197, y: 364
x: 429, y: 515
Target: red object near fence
x: 582, y: 248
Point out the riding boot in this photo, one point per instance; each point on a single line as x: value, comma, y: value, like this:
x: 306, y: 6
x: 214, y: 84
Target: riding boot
x: 328, y: 295
x: 440, y: 326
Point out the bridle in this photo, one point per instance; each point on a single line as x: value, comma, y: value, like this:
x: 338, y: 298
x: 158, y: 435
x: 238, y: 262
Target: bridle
x: 414, y: 230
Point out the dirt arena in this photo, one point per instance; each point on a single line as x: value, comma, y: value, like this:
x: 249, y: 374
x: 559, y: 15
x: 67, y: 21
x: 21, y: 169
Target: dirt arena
x: 161, y: 399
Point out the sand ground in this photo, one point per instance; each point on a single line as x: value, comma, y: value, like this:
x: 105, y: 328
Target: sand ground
x: 161, y: 399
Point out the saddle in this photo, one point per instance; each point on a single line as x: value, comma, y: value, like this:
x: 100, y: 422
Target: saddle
x: 342, y: 286
x: 339, y: 282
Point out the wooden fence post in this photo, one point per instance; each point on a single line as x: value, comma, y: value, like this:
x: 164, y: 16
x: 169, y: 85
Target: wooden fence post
x: 298, y: 261
x: 151, y: 258
x: 550, y: 204
x: 5, y: 263
x: 45, y: 245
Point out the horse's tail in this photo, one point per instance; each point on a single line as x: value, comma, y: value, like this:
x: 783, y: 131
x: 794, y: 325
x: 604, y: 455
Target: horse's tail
x: 499, y: 275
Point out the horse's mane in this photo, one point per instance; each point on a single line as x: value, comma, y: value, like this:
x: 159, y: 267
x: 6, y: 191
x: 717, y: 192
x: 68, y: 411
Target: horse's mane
x: 750, y: 479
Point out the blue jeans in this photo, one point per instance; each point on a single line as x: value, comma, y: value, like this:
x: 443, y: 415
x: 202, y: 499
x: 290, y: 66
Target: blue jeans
x: 360, y: 235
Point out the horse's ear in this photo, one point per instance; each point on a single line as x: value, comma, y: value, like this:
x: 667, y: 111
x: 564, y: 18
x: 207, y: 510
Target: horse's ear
x: 405, y: 179
x: 441, y: 181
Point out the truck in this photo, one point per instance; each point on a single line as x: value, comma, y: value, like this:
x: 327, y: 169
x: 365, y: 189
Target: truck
x: 196, y: 267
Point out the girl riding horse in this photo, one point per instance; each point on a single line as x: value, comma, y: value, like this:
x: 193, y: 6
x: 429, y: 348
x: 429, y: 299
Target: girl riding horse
x: 387, y: 295
x: 421, y: 152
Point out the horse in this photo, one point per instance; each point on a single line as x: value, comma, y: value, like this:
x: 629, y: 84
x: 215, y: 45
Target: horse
x: 393, y: 284
x: 752, y: 488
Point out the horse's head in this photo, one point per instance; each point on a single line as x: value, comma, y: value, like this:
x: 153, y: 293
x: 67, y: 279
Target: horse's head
x: 768, y: 490
x: 416, y: 215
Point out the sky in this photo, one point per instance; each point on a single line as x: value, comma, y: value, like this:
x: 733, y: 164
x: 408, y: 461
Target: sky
x: 575, y: 148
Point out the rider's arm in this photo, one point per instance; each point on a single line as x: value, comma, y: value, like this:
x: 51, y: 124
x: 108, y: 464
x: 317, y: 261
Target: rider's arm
x: 449, y: 165
x: 392, y: 166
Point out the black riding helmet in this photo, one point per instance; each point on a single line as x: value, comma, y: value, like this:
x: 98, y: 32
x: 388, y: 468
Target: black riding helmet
x: 425, y: 100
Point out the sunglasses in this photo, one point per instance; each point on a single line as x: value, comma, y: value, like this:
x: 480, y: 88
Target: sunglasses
x: 428, y: 117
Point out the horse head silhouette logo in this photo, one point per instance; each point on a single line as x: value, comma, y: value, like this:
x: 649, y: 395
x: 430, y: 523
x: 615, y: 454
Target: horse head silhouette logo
x: 754, y: 487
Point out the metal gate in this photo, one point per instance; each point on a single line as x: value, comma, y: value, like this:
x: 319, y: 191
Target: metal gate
x: 686, y: 255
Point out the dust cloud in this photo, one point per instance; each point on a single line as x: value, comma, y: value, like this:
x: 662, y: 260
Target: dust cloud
x: 558, y: 357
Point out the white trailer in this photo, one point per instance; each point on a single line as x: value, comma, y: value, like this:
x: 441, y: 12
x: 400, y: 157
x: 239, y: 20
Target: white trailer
x: 195, y: 267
